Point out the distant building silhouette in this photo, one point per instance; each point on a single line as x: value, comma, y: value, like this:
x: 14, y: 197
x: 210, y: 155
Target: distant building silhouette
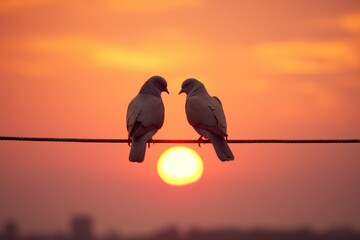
x: 167, y: 233
x: 112, y: 235
x: 11, y: 231
x: 81, y: 228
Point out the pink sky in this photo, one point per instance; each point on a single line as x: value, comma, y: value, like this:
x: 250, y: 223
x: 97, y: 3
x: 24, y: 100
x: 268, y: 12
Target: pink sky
x: 282, y: 69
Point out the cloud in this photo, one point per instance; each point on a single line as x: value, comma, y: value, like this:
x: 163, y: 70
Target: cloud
x: 86, y: 51
x: 170, y: 53
x: 307, y: 56
x: 8, y: 5
x: 27, y: 68
x: 105, y: 5
x: 350, y: 22
x: 154, y: 5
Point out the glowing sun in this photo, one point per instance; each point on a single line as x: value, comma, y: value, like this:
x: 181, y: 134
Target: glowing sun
x: 180, y: 166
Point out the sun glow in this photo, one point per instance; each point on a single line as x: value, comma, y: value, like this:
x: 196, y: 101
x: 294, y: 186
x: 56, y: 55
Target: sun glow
x: 180, y: 166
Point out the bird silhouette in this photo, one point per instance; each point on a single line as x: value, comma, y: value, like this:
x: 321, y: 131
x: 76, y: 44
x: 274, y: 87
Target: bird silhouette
x: 145, y: 116
x: 206, y: 115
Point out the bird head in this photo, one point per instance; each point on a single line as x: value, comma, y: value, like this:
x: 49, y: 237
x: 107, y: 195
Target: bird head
x: 190, y: 85
x: 160, y: 83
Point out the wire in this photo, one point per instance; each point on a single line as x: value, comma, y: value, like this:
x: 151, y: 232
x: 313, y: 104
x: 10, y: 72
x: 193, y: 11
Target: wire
x: 177, y: 141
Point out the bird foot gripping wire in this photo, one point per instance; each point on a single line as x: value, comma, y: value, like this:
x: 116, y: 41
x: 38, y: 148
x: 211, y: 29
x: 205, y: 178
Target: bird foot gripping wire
x: 129, y: 142
x: 148, y: 143
x: 201, y: 140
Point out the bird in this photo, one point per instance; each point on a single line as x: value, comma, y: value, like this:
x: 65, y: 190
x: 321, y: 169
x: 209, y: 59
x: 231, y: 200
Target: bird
x: 145, y: 116
x: 206, y: 115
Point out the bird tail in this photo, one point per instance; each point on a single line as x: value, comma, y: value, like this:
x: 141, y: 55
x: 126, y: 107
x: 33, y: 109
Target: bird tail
x: 138, y: 148
x: 221, y: 147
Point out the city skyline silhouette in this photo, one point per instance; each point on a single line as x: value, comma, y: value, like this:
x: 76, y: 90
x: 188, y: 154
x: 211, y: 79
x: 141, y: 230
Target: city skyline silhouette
x: 81, y: 227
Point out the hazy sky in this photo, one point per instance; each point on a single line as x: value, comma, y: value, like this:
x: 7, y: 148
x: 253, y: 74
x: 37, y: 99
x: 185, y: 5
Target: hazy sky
x: 282, y: 69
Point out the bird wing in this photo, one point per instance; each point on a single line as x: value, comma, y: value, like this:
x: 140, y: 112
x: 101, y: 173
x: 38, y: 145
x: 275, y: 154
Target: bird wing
x: 145, y: 113
x: 132, y: 114
x: 218, y: 111
x: 206, y: 114
x: 199, y: 113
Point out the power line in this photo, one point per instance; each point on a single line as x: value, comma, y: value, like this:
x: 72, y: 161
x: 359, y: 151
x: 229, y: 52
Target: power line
x: 177, y: 141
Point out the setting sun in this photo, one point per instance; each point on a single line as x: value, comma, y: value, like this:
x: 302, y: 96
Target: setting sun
x: 180, y: 166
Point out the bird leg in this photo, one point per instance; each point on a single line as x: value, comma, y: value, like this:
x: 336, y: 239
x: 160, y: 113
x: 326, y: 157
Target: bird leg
x: 150, y: 140
x: 129, y: 142
x: 200, y: 140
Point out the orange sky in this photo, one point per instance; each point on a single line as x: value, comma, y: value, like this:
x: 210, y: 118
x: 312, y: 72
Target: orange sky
x: 283, y: 69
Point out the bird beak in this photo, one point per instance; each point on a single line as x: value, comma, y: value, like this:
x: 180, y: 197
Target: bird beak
x: 167, y: 91
x: 181, y: 91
